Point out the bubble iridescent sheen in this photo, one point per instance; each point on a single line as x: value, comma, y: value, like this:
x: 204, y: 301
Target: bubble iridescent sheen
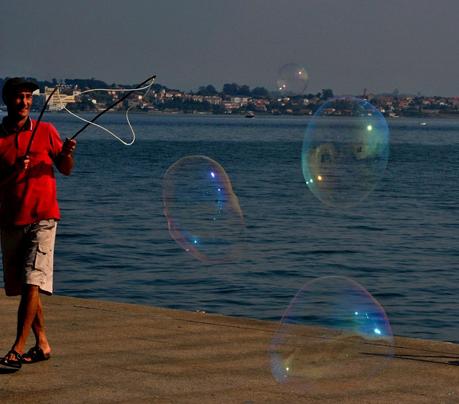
x: 334, y: 334
x: 202, y: 210
x: 292, y: 79
x: 345, y: 156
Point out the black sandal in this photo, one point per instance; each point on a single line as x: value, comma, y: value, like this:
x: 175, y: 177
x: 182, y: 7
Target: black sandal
x: 13, y: 364
x: 35, y: 354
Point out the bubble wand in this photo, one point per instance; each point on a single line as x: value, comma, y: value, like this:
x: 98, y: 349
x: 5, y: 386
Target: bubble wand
x: 38, y: 121
x: 91, y: 122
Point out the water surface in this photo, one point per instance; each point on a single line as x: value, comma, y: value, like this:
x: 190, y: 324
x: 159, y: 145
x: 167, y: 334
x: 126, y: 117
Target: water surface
x: 401, y: 243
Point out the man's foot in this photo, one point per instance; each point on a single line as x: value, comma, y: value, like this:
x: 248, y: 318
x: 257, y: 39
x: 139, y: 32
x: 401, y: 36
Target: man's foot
x: 12, y: 360
x: 35, y: 354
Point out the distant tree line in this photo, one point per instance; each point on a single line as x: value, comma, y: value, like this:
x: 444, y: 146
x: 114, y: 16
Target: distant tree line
x: 234, y: 90
x: 228, y: 89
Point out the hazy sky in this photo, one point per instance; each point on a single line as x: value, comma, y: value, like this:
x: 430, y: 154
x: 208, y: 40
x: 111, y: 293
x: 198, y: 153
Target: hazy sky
x: 346, y: 45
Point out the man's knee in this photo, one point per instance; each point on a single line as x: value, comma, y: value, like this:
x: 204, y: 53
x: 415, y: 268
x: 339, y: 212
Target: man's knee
x: 30, y: 289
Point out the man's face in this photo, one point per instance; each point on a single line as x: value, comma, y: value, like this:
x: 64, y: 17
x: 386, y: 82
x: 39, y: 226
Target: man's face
x: 19, y: 103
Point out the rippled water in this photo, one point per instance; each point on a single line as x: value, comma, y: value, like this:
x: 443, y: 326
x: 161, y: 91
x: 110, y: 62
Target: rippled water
x: 401, y: 243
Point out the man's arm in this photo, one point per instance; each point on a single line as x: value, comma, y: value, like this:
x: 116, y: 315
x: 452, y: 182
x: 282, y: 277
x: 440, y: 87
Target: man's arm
x: 64, y: 160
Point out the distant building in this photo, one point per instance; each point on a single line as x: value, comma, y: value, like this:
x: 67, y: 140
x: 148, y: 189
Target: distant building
x: 241, y: 101
x: 230, y: 106
x: 213, y: 99
x: 59, y: 100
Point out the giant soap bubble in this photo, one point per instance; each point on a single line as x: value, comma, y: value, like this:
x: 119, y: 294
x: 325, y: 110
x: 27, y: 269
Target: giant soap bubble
x: 292, y: 79
x: 202, y: 210
x: 345, y: 151
x: 333, y: 334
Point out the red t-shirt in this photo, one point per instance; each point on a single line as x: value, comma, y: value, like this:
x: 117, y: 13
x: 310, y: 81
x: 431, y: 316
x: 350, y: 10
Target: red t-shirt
x: 30, y: 196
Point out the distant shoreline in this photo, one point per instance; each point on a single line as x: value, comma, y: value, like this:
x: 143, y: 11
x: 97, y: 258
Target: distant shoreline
x: 243, y: 115
x: 445, y: 116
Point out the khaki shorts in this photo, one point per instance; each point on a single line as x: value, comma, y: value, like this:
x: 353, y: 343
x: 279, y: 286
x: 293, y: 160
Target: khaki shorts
x: 28, y: 253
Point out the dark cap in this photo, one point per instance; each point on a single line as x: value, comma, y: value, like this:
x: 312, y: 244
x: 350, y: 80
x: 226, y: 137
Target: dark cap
x: 16, y: 83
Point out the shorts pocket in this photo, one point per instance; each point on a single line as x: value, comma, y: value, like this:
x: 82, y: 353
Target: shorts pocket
x: 43, y: 257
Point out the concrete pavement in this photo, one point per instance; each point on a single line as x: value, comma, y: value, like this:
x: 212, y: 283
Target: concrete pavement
x: 105, y: 352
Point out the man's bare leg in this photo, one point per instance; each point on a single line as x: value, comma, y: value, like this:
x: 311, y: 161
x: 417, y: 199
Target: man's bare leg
x: 30, y: 313
x: 38, y: 327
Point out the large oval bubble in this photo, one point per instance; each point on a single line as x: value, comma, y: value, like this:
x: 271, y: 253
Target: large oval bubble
x: 202, y: 210
x: 292, y: 79
x: 345, y: 151
x: 333, y: 333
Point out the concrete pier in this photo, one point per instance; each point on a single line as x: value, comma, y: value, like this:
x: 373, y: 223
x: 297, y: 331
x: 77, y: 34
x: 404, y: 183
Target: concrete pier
x: 105, y: 352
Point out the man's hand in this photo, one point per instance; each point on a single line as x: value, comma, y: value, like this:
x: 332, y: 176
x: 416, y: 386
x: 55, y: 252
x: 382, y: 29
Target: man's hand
x: 64, y: 160
x: 22, y: 163
x: 68, y: 147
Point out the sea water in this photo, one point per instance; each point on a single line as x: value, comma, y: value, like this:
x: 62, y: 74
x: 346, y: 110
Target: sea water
x: 401, y: 243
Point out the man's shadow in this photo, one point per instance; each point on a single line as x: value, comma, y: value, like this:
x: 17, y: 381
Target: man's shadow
x: 7, y: 371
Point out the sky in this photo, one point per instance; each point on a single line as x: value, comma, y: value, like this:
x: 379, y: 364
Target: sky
x: 345, y: 45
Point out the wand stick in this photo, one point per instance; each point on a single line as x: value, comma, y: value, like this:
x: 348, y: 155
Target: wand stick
x: 15, y: 172
x: 38, y: 121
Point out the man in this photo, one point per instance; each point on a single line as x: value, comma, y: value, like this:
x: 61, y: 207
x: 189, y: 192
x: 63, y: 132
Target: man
x: 28, y: 214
